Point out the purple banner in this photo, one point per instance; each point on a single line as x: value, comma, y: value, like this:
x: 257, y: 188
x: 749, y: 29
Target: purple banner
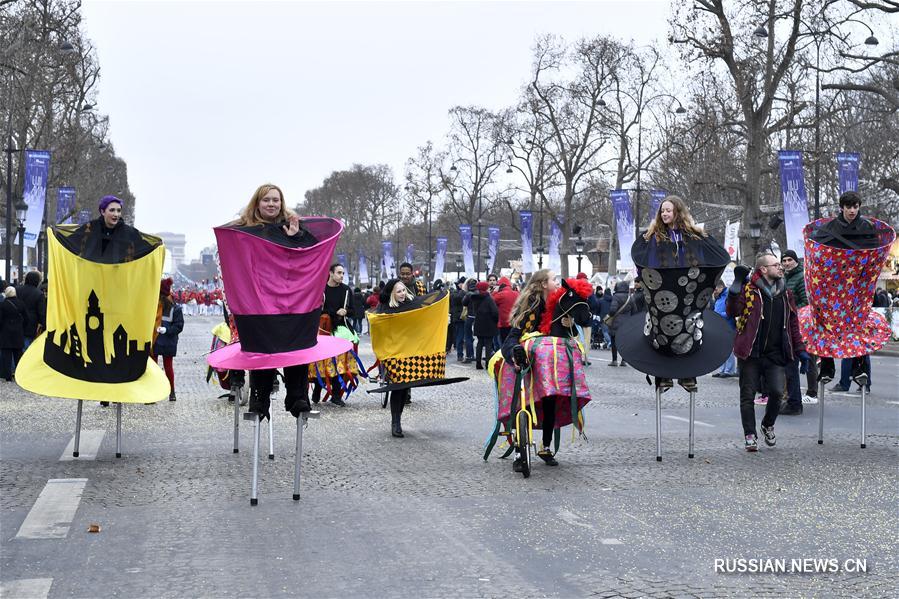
x: 492, y: 247
x: 341, y: 259
x: 410, y: 253
x: 65, y: 205
x: 847, y: 168
x: 37, y: 167
x: 467, y: 257
x: 792, y: 187
x: 624, y: 221
x: 440, y: 259
x: 527, y: 236
x: 388, y: 268
x: 554, y: 261
x: 655, y: 200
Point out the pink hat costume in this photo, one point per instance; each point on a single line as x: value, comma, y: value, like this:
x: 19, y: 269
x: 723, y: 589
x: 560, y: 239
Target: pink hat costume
x: 840, y: 283
x: 275, y: 295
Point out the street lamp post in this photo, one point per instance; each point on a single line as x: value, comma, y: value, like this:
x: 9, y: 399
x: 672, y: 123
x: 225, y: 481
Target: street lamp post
x: 755, y: 233
x: 21, y: 211
x: 579, y: 247
x: 458, y: 267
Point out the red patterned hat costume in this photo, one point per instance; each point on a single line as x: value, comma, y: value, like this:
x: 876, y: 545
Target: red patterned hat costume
x: 840, y: 284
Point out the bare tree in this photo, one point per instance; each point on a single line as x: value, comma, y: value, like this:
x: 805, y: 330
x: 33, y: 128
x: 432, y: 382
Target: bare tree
x: 570, y: 111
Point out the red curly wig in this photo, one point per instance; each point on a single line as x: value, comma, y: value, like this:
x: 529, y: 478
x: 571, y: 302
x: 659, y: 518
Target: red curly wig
x: 582, y: 287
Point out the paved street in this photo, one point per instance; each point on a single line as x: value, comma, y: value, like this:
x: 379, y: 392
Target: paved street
x: 425, y: 516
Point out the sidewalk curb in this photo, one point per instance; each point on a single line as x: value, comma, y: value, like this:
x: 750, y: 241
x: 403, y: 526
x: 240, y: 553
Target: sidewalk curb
x: 892, y: 353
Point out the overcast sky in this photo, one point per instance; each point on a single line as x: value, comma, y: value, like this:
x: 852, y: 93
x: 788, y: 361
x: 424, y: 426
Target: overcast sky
x: 207, y: 100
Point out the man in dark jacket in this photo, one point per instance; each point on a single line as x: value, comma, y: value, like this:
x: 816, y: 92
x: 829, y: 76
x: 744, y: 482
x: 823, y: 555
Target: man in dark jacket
x: 338, y: 305
x: 457, y: 323
x: 795, y: 280
x: 622, y: 306
x: 35, y: 303
x: 605, y: 304
x: 767, y: 340
x: 358, y: 310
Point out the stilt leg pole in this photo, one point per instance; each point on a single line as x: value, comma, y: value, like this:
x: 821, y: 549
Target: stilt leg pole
x: 237, y: 398
x: 254, y: 486
x: 692, y: 416
x: 271, y: 439
x: 118, y: 430
x: 658, y: 424
x: 864, y: 394
x: 302, y: 421
x: 77, y: 429
x: 821, y: 413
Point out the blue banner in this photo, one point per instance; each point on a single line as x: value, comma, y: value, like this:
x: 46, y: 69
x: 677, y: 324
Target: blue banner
x: 467, y: 257
x: 388, y: 268
x: 847, y: 167
x: 440, y: 260
x: 341, y: 259
x: 554, y: 261
x: 37, y: 167
x: 410, y: 254
x: 65, y: 205
x: 492, y: 247
x: 527, y: 236
x: 792, y: 187
x: 624, y: 221
x: 362, y: 277
x: 655, y: 200
x: 84, y: 216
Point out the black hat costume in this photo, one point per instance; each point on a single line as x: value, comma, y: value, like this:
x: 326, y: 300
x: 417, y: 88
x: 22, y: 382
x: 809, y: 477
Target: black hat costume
x: 677, y: 336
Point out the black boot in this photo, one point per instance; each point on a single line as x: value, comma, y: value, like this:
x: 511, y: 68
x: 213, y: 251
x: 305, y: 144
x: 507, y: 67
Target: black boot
x: 397, y: 401
x: 296, y: 381
x: 172, y: 395
x: 261, y: 382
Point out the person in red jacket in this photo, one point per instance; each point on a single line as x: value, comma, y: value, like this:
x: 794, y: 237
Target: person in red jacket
x: 767, y: 340
x: 505, y: 298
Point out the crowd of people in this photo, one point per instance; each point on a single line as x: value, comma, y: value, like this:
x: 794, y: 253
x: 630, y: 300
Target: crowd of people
x: 766, y: 310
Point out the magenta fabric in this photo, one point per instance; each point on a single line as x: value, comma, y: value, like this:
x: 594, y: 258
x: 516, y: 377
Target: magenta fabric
x: 545, y: 381
x: 262, y: 277
x: 231, y: 357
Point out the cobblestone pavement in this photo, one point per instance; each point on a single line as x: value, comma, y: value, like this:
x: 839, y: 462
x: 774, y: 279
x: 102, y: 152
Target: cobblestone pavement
x: 426, y: 516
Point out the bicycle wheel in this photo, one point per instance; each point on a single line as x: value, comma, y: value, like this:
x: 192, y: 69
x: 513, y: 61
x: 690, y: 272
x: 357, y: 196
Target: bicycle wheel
x: 522, y: 425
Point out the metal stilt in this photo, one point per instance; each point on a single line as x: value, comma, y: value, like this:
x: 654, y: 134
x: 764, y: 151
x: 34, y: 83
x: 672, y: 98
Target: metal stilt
x: 77, y: 430
x: 302, y: 421
x: 692, y: 414
x: 864, y: 394
x: 237, y: 398
x: 821, y: 413
x: 658, y: 424
x: 271, y: 439
x: 254, y: 418
x: 118, y: 430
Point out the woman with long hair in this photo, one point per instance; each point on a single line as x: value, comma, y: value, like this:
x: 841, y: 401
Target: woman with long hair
x: 267, y: 211
x: 527, y: 312
x: 671, y: 227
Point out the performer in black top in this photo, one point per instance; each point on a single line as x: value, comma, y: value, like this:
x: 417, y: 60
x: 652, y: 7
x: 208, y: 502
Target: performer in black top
x: 849, y: 230
x: 338, y: 305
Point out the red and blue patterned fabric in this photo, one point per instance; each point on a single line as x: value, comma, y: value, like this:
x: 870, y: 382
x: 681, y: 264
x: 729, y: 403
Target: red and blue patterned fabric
x: 840, y: 284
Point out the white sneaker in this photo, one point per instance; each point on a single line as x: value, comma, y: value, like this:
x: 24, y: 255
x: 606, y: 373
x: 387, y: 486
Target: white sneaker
x: 809, y: 399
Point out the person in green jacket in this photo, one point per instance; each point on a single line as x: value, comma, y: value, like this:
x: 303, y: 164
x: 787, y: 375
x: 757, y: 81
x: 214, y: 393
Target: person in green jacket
x: 795, y: 280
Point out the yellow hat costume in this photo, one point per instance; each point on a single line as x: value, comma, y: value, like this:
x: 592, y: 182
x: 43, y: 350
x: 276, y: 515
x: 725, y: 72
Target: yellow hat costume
x: 411, y: 342
x: 103, y: 293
